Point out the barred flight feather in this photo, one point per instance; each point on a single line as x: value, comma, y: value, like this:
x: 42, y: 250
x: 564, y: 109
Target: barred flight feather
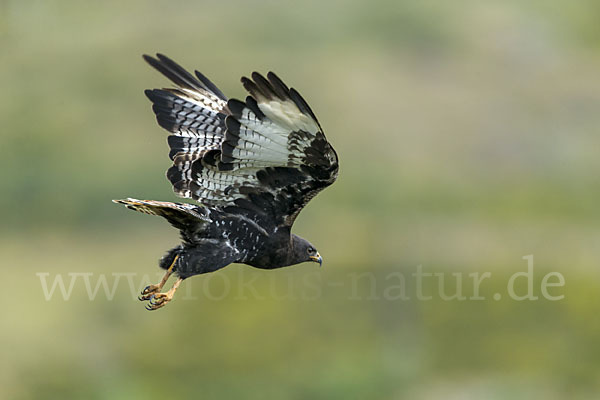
x: 227, y: 152
x: 180, y: 215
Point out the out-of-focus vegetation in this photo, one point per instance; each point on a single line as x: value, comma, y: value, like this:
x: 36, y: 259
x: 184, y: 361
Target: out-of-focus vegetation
x: 468, y: 133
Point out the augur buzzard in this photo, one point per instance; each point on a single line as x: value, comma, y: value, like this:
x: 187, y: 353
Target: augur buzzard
x: 252, y: 165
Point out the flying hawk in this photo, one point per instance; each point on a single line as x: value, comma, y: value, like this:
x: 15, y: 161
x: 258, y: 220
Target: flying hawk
x: 251, y: 165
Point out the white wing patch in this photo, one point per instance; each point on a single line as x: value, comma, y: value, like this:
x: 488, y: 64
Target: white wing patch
x: 288, y: 116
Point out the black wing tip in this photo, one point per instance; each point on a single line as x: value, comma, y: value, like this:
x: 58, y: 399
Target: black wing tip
x: 176, y: 145
x: 302, y: 104
x: 158, y: 58
x: 173, y: 71
x: 264, y: 85
x: 180, y: 76
x: 151, y: 94
x: 227, y: 148
x: 161, y: 96
x: 280, y: 88
x: 166, y: 122
x: 168, y: 61
x: 236, y: 107
x: 269, y: 87
x: 253, y: 74
x: 256, y: 76
x: 210, y: 86
x: 153, y: 61
x: 174, y: 174
x: 233, y: 125
x: 251, y: 87
x: 253, y: 106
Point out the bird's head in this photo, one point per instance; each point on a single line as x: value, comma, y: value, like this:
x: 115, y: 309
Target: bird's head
x: 303, y: 250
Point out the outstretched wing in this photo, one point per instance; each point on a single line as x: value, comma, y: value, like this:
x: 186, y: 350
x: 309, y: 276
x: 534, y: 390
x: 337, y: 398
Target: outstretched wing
x: 273, y: 156
x: 194, y: 113
x: 275, y: 131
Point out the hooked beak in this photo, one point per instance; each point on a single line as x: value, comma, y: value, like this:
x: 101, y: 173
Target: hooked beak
x: 317, y: 258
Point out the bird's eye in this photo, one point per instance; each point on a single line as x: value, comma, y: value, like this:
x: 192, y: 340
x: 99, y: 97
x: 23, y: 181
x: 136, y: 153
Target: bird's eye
x: 310, y: 250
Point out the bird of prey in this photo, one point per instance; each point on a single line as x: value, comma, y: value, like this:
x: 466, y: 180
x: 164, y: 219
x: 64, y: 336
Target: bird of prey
x: 251, y: 165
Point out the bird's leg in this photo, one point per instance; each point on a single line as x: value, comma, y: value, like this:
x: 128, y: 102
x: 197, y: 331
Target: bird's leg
x: 150, y: 290
x: 159, y: 300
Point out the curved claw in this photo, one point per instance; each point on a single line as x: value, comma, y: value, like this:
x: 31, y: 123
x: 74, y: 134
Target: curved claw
x: 155, y: 305
x: 150, y: 289
x: 156, y: 300
x: 146, y: 295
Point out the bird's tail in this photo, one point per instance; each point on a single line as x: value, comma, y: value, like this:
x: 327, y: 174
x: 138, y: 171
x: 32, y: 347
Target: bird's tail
x: 180, y: 215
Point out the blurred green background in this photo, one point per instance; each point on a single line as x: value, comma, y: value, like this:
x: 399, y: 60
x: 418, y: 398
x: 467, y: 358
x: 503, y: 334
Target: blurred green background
x: 468, y: 138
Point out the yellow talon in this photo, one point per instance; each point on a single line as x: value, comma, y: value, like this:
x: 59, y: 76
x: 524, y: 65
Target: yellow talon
x: 151, y: 290
x: 159, y: 300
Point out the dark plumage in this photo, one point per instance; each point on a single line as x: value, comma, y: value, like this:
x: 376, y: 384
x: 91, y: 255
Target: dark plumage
x: 252, y: 165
